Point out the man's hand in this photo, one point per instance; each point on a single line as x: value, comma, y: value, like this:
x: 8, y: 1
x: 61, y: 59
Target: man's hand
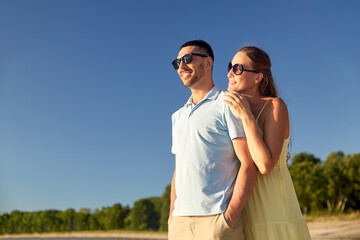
x: 231, y: 221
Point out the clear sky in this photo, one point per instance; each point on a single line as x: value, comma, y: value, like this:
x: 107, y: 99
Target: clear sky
x: 87, y: 88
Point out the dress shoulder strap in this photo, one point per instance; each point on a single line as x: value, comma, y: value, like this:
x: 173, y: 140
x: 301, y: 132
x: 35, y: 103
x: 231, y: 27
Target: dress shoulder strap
x: 262, y: 110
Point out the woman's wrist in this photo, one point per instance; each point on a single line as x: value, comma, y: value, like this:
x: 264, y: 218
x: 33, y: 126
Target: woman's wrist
x: 249, y: 121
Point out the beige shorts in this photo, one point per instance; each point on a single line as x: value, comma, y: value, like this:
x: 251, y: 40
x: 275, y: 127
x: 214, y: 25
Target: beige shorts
x: 212, y: 227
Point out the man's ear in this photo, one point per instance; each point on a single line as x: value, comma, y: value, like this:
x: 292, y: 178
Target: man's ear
x: 209, y: 62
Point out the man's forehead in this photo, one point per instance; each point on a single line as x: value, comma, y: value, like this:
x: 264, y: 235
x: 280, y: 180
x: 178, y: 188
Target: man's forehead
x: 191, y: 49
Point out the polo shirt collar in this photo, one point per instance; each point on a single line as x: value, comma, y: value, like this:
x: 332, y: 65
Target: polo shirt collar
x: 212, y: 95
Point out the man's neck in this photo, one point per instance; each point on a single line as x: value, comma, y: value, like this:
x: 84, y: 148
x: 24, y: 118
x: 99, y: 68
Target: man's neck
x: 199, y: 94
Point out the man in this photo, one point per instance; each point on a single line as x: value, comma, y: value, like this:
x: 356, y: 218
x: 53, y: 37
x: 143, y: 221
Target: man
x: 208, y: 189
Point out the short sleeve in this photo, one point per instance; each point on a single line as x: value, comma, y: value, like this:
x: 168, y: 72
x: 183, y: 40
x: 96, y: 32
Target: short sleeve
x: 234, y: 123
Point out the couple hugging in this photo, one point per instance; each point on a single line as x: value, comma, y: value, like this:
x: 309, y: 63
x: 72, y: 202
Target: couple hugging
x: 231, y: 179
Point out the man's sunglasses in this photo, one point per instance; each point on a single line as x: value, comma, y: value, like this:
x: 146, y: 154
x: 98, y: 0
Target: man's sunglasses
x: 186, y: 59
x: 238, y: 69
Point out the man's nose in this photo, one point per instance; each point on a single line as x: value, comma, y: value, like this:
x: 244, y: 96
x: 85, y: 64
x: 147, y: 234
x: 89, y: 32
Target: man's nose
x: 182, y: 64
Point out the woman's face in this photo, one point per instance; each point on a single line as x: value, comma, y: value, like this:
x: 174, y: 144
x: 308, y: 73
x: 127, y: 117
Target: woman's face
x: 246, y: 82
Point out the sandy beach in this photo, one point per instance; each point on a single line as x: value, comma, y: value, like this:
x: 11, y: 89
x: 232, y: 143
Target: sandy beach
x: 330, y: 230
x: 121, y: 235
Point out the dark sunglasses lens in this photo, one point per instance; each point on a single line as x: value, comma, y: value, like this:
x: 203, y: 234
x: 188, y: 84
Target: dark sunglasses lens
x: 187, y: 58
x: 237, y: 69
x: 176, y: 63
x: 229, y: 66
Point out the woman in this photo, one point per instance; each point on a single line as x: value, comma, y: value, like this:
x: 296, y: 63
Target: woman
x: 272, y: 212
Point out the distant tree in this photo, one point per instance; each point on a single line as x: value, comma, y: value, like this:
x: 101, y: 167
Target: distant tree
x: 309, y: 181
x: 51, y: 222
x: 154, y: 220
x: 117, y: 215
x: 109, y: 218
x: 81, y: 220
x: 26, y: 222
x: 14, y: 221
x: 353, y: 165
x: 4, y: 223
x: 68, y: 220
x: 93, y: 221
x: 141, y: 215
x: 101, y: 218
x: 37, y: 222
x: 338, y: 182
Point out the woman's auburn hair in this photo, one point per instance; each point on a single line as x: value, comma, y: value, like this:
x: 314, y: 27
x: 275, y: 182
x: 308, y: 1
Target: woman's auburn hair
x: 261, y: 62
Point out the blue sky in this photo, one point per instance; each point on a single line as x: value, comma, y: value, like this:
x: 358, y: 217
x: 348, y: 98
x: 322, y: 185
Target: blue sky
x: 87, y: 88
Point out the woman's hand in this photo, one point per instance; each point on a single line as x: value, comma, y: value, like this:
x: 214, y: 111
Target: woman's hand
x: 238, y: 103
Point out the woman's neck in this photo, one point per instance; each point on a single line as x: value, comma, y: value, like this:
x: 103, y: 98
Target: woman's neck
x: 254, y: 99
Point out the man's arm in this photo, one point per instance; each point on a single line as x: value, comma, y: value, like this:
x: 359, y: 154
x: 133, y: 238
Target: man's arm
x: 244, y: 182
x: 172, y: 193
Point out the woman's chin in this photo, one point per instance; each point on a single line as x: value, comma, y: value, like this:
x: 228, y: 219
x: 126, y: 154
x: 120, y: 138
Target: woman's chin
x: 231, y: 89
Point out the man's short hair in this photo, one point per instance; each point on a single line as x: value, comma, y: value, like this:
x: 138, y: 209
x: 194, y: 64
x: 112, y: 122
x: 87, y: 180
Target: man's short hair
x: 201, y: 44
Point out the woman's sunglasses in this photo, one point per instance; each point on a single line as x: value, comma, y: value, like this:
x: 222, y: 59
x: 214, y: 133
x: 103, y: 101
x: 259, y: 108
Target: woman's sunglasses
x: 186, y: 59
x: 238, y: 69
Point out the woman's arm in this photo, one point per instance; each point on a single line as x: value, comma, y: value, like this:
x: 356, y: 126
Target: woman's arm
x: 265, y: 150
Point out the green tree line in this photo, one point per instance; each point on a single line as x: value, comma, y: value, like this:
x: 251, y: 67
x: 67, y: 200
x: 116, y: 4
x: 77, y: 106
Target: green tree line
x: 146, y: 214
x: 332, y: 185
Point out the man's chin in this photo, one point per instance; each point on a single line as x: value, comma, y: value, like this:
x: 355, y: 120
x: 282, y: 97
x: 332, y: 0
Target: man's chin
x: 188, y: 83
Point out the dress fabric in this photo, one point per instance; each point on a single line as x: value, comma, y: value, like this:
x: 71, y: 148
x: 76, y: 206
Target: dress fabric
x: 272, y: 211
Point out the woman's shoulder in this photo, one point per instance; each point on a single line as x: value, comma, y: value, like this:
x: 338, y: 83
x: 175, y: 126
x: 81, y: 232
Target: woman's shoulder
x: 277, y: 117
x: 276, y: 101
x: 278, y: 106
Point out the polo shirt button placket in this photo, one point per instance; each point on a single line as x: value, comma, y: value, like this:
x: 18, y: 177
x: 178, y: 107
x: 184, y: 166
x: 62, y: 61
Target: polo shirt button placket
x: 192, y: 109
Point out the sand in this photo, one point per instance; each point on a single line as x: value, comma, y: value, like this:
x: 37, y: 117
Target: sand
x: 335, y: 230
x: 330, y: 230
x: 139, y: 235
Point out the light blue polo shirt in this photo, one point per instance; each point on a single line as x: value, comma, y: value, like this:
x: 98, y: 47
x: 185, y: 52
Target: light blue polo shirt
x: 206, y: 164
